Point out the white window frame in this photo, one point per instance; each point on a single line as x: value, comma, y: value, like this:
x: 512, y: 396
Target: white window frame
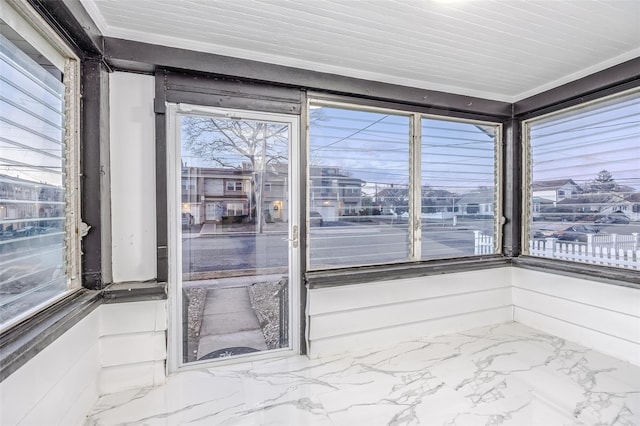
x: 415, y: 175
x: 23, y: 19
x: 527, y: 171
x: 175, y: 362
x: 234, y: 185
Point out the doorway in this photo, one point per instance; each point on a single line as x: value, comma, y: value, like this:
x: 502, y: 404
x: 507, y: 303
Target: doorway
x: 233, y: 232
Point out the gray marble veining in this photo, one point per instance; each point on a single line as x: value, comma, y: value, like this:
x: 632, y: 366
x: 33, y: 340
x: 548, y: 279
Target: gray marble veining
x: 506, y: 374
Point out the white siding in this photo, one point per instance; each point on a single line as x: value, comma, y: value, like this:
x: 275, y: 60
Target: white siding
x: 600, y: 316
x: 60, y: 384
x: 123, y: 346
x: 133, y: 345
x: 213, y: 187
x: 116, y: 347
x: 374, y: 314
x: 133, y: 199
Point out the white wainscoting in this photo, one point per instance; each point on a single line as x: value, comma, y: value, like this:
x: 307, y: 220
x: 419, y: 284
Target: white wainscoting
x: 123, y: 346
x: 133, y: 345
x: 374, y: 314
x: 60, y: 384
x: 597, y: 315
x: 116, y: 347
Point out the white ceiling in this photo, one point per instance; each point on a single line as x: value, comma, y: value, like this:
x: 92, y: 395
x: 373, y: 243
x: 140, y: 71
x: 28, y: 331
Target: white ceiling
x: 505, y: 50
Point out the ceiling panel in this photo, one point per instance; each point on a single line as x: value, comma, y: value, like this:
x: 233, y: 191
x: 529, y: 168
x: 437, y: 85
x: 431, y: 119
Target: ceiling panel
x: 503, y: 50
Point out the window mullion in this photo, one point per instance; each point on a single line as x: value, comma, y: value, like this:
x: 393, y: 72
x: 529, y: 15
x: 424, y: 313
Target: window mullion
x: 415, y: 184
x: 526, y: 189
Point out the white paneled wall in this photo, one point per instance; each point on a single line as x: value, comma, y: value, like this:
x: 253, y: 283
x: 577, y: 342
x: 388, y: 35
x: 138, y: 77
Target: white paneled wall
x: 133, y: 345
x: 379, y: 313
x: 597, y: 315
x: 123, y: 346
x: 133, y: 201
x: 60, y: 384
x: 116, y: 347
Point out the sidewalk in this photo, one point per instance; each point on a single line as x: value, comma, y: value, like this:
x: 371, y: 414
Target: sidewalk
x: 229, y: 322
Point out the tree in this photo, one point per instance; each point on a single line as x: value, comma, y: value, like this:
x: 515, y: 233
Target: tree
x: 604, y: 182
x: 253, y: 146
x: 232, y: 143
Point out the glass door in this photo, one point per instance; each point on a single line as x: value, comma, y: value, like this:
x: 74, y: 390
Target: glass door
x: 233, y: 266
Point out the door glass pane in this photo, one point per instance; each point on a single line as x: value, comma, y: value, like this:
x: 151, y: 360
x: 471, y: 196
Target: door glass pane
x: 458, y: 191
x: 358, y: 187
x: 234, y: 230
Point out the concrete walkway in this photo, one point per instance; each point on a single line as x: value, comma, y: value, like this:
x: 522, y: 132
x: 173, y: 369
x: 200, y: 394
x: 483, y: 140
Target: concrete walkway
x: 229, y: 321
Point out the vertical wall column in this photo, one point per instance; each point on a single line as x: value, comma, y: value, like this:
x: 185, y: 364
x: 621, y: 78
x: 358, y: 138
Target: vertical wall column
x: 512, y: 188
x: 96, y: 192
x: 133, y: 171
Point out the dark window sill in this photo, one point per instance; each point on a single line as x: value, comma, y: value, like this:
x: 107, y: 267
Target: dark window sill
x: 25, y: 340
x: 604, y: 274
x: 366, y: 274
x: 134, y: 292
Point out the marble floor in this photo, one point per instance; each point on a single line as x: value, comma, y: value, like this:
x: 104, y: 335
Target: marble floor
x: 505, y: 374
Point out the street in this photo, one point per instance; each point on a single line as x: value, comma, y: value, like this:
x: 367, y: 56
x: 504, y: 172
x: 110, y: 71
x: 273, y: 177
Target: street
x: 355, y: 244
x: 336, y: 245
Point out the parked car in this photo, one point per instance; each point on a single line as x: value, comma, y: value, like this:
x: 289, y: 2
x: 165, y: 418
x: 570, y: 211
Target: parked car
x: 548, y: 230
x: 575, y: 233
x: 315, y: 219
x: 613, y: 218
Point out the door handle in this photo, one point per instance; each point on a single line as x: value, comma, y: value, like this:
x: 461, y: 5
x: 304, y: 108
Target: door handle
x: 294, y: 237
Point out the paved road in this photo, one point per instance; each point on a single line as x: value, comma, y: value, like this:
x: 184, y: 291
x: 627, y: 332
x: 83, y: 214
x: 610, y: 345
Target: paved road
x: 335, y: 245
x: 329, y: 246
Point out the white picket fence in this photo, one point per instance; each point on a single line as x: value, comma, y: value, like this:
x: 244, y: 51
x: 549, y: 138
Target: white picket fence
x: 600, y: 249
x: 613, y: 241
x: 483, y: 243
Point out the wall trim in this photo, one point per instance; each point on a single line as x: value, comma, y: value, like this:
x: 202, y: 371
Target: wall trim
x: 145, y: 57
x: 611, y: 80
x: 603, y: 274
x: 368, y: 274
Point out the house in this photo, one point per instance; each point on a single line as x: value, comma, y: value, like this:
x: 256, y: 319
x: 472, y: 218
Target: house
x: 334, y: 193
x: 478, y: 203
x: 394, y: 199
x: 555, y: 190
x: 367, y: 329
x: 28, y: 204
x: 216, y: 194
x: 632, y: 204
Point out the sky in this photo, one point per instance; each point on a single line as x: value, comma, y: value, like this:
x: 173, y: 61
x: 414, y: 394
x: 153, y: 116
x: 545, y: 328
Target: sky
x: 31, y: 128
x: 374, y: 147
x: 460, y: 157
x: 579, y: 144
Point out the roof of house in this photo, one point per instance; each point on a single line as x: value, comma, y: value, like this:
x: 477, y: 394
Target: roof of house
x: 481, y: 196
x: 552, y: 184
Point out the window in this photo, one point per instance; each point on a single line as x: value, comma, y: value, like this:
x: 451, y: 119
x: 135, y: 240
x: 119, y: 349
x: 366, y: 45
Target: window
x: 234, y: 186
x: 385, y: 194
x: 593, y: 153
x: 235, y: 209
x: 39, y: 257
x: 458, y: 188
x: 368, y: 150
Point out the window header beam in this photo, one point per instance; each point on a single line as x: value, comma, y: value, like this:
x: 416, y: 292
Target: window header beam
x: 611, y: 80
x: 144, y: 57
